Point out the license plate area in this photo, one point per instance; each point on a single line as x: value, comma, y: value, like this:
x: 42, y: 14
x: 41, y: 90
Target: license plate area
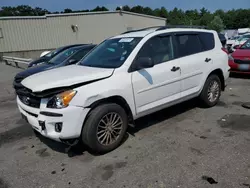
x: 244, y: 67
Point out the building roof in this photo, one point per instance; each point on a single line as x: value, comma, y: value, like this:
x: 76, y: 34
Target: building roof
x: 80, y: 13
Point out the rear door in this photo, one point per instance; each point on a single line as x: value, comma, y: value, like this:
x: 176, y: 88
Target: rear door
x: 159, y: 85
x: 194, y: 59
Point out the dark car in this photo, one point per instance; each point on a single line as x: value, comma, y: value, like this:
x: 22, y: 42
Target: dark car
x: 51, y: 54
x: 67, y: 57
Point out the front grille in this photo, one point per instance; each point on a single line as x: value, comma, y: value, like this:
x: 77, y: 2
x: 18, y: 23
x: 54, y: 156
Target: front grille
x: 25, y: 95
x: 240, y: 61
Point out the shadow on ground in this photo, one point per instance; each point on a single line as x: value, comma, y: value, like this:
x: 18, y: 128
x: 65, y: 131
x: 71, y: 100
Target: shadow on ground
x: 240, y: 76
x: 22, y: 131
x: 163, y: 115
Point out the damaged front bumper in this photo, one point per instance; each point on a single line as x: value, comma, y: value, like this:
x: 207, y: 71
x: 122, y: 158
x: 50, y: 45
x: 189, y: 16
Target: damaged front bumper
x: 62, y: 125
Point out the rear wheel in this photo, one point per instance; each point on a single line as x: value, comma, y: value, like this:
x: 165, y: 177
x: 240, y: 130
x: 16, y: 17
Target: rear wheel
x: 211, y: 92
x: 105, y: 128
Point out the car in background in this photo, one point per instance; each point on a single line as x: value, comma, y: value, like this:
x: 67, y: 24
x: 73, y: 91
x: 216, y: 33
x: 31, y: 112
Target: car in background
x: 241, y: 40
x: 231, y: 41
x: 67, y: 57
x: 239, y: 61
x: 44, y: 53
x: 50, y: 55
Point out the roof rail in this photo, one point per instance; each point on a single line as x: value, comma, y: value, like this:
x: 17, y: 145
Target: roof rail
x: 143, y: 29
x: 181, y: 26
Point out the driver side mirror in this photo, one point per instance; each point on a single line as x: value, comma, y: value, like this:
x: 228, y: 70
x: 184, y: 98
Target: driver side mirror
x: 72, y: 61
x: 143, y: 63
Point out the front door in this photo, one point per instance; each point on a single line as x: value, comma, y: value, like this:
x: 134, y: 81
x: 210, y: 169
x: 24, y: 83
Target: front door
x: 155, y: 87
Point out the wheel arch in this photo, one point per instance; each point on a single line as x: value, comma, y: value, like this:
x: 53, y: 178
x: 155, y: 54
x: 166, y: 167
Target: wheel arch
x: 219, y: 73
x: 113, y: 99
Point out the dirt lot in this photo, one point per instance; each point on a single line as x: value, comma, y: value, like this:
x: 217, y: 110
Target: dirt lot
x: 175, y: 147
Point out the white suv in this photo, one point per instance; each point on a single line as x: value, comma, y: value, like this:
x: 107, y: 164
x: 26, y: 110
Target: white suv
x: 125, y: 77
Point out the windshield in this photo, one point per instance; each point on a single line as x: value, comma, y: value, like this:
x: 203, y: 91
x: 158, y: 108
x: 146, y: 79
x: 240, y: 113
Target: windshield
x: 246, y: 45
x: 111, y: 53
x: 243, y: 37
x: 62, y: 56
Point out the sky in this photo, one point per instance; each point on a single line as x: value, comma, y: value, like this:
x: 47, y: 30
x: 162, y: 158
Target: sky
x: 59, y: 5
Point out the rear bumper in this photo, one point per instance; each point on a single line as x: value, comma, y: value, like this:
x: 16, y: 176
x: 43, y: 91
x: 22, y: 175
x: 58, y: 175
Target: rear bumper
x: 44, y: 120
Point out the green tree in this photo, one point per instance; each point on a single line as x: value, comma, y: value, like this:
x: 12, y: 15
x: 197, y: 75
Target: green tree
x: 137, y: 9
x: 99, y: 9
x: 67, y: 10
x: 232, y: 19
x: 162, y: 12
x: 125, y: 8
x: 216, y: 24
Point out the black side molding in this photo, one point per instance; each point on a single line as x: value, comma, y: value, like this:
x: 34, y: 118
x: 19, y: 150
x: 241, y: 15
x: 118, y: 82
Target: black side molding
x: 52, y: 114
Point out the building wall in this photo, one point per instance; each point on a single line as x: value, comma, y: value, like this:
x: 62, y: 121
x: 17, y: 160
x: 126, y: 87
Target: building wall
x: 51, y: 31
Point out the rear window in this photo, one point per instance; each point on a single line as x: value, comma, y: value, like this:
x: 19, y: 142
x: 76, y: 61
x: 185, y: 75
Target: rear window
x: 207, y: 41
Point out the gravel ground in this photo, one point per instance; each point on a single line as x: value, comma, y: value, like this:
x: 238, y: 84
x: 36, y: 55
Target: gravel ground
x: 182, y: 146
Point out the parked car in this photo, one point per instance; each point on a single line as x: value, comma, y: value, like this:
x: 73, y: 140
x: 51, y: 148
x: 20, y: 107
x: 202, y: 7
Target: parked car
x: 50, y: 55
x: 67, y: 57
x: 231, y: 41
x: 44, y: 53
x: 241, y: 40
x: 239, y: 61
x: 122, y: 79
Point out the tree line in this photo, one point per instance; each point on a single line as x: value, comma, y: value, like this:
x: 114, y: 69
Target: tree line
x: 218, y: 20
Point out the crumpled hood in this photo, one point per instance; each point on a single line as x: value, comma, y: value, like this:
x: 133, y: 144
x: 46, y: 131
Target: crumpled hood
x: 64, y: 77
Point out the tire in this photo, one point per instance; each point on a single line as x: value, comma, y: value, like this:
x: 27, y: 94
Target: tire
x: 93, y: 125
x: 204, y: 96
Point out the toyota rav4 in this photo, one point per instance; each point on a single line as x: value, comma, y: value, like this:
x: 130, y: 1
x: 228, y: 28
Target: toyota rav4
x: 122, y: 79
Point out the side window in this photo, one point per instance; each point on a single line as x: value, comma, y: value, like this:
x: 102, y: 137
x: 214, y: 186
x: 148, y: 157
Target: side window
x: 188, y: 44
x: 79, y: 55
x: 207, y: 41
x: 159, y: 49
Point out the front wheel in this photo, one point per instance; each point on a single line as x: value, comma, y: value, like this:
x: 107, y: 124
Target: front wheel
x: 105, y: 128
x: 211, y: 92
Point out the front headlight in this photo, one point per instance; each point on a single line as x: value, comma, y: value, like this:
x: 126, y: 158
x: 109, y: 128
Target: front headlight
x: 61, y: 100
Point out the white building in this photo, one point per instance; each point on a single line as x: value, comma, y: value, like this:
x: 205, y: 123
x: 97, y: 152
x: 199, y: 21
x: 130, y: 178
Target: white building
x: 29, y: 36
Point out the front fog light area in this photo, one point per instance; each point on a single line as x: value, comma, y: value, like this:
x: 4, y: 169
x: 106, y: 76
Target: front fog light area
x: 58, y: 127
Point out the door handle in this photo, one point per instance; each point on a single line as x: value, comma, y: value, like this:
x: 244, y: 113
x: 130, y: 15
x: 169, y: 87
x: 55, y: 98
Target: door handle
x: 174, y: 68
x: 207, y: 60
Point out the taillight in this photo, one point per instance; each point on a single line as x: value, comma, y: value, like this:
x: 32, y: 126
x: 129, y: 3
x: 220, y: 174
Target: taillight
x: 225, y: 50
